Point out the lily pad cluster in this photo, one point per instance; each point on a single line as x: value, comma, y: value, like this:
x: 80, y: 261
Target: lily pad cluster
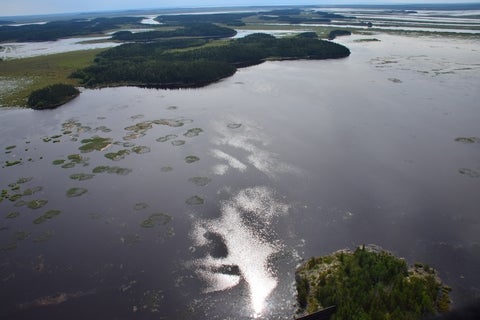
x: 167, y: 138
x: 16, y: 191
x: 469, y: 172
x: 76, y: 192
x: 200, y: 181
x: 95, y: 143
x: 72, y: 161
x: 82, y: 176
x: 195, y: 201
x: 50, y: 214
x: 193, y: 132
x: 468, y: 140
x: 112, y: 170
x: 191, y: 159
x: 156, y: 219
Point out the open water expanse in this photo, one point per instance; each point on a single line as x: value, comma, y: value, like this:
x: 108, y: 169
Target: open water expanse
x: 131, y: 203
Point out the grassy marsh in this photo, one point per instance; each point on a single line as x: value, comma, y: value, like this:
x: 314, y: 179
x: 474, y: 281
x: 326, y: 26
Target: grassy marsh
x: 37, y: 72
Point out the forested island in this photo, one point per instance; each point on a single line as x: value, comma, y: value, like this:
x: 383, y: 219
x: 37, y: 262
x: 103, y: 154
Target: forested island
x: 163, y: 65
x: 52, y: 96
x: 370, y: 283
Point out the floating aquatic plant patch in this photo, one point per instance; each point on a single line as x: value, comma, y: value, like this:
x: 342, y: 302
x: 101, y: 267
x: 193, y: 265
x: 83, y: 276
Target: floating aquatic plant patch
x: 68, y: 165
x: 472, y: 173
x: 169, y: 122
x: 12, y: 215
x: 14, y: 197
x: 200, y: 181
x: 58, y: 162
x: 37, y: 204
x: 21, y: 235
x: 12, y: 163
x: 74, y: 159
x: 20, y: 203
x: 47, y: 235
x: 193, y: 132
x: 141, y: 126
x: 32, y: 191
x: 156, y: 219
x: 234, y: 125
x: 140, y: 206
x: 50, y: 214
x: 74, y: 126
x: 95, y: 143
x: 194, y: 201
x: 141, y: 149
x: 178, y: 143
x: 76, y: 192
x: 81, y: 176
x: 9, y: 246
x: 133, y: 136
x: 102, y: 129
x: 167, y: 137
x: 112, y: 170
x: 166, y: 169
x: 130, y: 239
x: 191, y: 159
x: 119, y: 155
x: 468, y: 140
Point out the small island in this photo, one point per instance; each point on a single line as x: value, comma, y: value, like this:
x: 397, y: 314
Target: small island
x: 52, y: 96
x: 370, y: 283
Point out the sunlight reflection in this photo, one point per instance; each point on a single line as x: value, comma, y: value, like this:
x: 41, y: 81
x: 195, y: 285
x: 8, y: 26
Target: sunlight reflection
x: 248, y: 249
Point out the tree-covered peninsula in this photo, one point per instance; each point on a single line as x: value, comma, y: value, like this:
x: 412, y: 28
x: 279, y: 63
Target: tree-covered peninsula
x: 190, y: 63
x: 52, y: 96
x: 370, y: 284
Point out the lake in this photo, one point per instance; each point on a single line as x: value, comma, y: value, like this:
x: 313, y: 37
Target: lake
x: 200, y: 203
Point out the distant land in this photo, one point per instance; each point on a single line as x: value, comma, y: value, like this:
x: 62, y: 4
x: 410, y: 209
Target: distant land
x: 166, y: 10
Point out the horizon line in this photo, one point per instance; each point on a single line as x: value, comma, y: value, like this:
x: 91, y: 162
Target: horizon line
x: 188, y: 7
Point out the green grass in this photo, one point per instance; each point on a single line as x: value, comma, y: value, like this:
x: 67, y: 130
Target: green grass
x: 37, y: 72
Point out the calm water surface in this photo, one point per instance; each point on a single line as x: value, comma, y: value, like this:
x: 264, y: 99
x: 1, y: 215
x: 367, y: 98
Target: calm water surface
x: 201, y: 202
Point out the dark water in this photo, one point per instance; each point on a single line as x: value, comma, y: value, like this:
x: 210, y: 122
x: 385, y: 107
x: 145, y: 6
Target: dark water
x: 209, y: 198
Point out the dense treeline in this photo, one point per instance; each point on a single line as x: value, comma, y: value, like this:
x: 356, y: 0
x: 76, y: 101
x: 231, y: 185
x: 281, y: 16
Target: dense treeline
x: 52, y: 96
x: 336, y: 33
x: 63, y: 28
x: 204, y: 30
x: 370, y: 285
x: 296, y: 16
x: 255, y: 48
x: 231, y: 19
x: 153, y: 64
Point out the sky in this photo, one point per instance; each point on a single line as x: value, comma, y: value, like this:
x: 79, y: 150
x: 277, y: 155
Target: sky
x: 29, y: 7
